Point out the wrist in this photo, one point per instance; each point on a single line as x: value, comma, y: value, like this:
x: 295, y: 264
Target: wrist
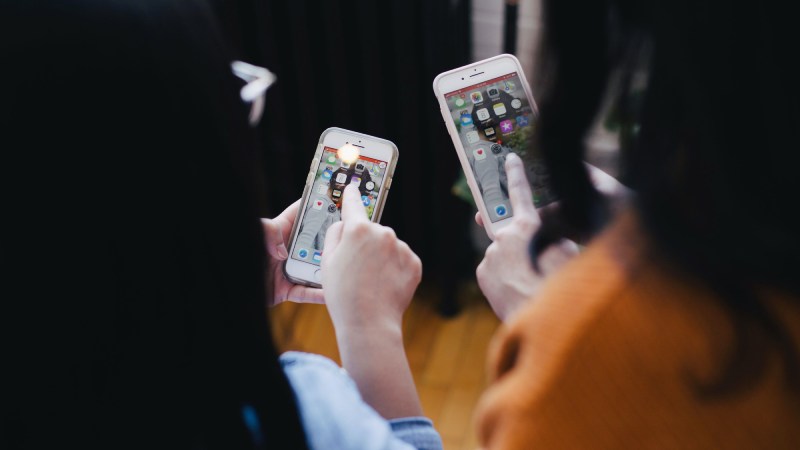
x: 365, y: 331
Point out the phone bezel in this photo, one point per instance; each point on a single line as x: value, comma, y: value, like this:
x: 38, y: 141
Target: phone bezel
x: 307, y: 273
x: 463, y: 77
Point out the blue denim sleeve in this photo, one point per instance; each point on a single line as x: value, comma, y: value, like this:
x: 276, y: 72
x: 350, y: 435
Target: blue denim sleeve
x: 335, y: 416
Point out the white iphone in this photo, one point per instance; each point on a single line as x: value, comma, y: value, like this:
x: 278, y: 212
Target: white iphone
x: 489, y: 111
x: 342, y: 157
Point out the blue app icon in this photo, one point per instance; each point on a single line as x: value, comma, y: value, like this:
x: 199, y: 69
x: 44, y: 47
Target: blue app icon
x: 500, y: 210
x: 303, y: 253
x: 466, y: 119
x: 327, y: 174
x: 365, y: 200
x: 522, y: 121
x: 317, y: 257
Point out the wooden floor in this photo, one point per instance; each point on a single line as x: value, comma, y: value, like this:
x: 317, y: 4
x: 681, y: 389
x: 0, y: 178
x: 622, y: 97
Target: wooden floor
x: 447, y: 356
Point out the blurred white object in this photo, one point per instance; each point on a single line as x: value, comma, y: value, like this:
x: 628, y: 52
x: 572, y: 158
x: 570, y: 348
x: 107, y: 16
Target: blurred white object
x: 258, y: 81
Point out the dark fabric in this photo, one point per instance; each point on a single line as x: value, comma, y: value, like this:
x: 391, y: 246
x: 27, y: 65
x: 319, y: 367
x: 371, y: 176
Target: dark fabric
x: 366, y: 66
x: 131, y: 254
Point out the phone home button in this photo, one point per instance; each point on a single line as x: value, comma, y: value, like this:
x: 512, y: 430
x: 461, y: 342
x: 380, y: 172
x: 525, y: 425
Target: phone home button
x: 318, y: 275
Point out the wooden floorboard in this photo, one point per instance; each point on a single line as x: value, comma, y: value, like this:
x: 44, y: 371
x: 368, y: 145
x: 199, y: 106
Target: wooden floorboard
x: 447, y: 356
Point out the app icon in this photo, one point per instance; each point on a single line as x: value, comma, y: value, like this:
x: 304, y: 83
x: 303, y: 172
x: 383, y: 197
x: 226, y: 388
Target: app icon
x: 500, y: 210
x: 326, y: 174
x: 506, y: 126
x: 331, y: 159
x: 522, y: 121
x: 370, y: 185
x: 493, y: 92
x: 460, y: 102
x: 341, y: 178
x: 345, y: 165
x: 317, y: 256
x: 476, y: 97
x: 382, y: 165
x: 479, y: 153
x: 331, y: 208
x: 318, y: 205
x: 472, y: 137
x: 489, y: 132
x: 509, y: 86
x: 496, y: 149
x: 355, y: 180
x: 499, y: 109
x: 322, y: 189
x: 365, y: 200
x: 303, y: 253
x: 516, y: 104
x: 466, y: 119
x: 359, y: 167
x: 483, y: 114
x: 336, y: 193
x: 375, y: 171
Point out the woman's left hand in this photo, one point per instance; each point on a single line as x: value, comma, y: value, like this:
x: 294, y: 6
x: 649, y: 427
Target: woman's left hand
x: 276, y: 235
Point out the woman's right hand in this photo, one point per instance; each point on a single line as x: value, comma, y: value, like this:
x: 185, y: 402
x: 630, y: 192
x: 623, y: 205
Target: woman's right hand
x: 368, y: 274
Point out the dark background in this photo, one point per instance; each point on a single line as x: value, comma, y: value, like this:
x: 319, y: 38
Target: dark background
x: 366, y: 66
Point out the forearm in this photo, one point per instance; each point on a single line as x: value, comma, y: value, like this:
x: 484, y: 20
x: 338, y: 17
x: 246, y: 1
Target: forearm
x: 376, y: 360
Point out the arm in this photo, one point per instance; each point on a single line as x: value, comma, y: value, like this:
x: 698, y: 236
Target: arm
x: 369, y: 277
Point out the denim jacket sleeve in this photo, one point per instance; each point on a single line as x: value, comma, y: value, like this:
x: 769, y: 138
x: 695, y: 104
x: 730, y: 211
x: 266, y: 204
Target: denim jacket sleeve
x: 334, y: 415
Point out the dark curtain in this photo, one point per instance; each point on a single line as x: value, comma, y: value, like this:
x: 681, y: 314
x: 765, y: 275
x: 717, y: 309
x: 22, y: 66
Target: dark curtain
x: 367, y: 66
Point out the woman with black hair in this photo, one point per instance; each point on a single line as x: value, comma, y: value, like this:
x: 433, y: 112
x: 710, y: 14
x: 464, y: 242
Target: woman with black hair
x: 133, y: 265
x: 679, y: 325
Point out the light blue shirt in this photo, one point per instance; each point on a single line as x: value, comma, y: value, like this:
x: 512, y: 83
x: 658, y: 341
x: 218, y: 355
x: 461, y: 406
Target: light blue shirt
x: 335, y: 416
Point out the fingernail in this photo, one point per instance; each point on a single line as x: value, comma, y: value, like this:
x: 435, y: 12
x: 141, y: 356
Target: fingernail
x: 282, y: 252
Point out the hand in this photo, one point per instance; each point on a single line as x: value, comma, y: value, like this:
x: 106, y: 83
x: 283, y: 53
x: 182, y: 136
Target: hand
x: 369, y: 275
x: 506, y: 275
x: 279, y: 289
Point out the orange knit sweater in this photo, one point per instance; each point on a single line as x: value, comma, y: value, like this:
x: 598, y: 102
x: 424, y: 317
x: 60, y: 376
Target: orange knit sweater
x: 607, y: 356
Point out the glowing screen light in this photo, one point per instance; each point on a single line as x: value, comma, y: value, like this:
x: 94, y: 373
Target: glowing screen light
x: 348, y: 153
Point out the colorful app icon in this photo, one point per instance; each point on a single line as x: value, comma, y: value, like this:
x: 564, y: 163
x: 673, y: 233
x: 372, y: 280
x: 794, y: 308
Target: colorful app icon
x: 466, y: 119
x: 509, y: 86
x: 355, y: 180
x: 370, y: 185
x: 460, y: 102
x: 365, y: 200
x: 506, y: 126
x: 499, y: 108
x: 500, y: 210
x: 375, y: 171
x: 522, y: 121
x: 336, y: 193
x: 303, y: 253
x: 483, y: 114
x: 318, y: 204
x: 516, y: 104
x: 331, y: 159
x: 327, y: 173
x: 493, y: 92
x: 322, y: 189
x: 479, y: 153
x: 472, y: 137
x: 476, y: 97
x: 489, y: 132
x: 317, y: 257
x: 341, y: 178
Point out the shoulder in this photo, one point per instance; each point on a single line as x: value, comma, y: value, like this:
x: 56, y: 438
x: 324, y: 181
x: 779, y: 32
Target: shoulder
x: 335, y: 416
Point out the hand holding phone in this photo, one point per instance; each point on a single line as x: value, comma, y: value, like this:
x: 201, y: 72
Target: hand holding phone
x: 276, y: 237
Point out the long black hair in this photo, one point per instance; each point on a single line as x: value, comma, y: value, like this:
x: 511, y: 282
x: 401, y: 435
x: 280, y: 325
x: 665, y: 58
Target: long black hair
x: 707, y: 93
x: 133, y: 259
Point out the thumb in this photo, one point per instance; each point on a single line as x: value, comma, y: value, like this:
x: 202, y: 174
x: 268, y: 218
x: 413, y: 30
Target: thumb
x: 273, y: 233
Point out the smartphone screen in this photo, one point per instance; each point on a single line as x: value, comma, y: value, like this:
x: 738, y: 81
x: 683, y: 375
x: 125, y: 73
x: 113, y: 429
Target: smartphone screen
x: 325, y: 199
x: 493, y: 119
